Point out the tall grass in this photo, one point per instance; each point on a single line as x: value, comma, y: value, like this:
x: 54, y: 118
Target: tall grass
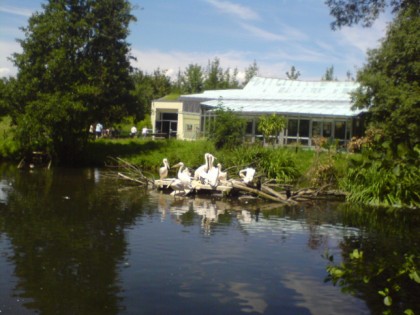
x: 371, y: 182
x: 282, y: 164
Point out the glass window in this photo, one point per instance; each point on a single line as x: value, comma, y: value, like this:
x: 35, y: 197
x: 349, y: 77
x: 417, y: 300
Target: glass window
x: 249, y: 125
x: 316, y: 128
x: 304, y: 128
x: 169, y: 116
x: 340, y: 130
x: 292, y: 127
x: 327, y: 129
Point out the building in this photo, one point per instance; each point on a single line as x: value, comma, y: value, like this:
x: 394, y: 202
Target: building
x: 312, y: 108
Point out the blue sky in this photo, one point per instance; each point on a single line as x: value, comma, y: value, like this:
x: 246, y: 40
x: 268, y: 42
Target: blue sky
x: 277, y: 34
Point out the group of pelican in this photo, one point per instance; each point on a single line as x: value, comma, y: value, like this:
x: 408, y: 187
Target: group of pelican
x: 206, y: 174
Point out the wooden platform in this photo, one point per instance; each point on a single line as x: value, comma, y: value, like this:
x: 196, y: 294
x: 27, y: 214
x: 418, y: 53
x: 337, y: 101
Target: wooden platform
x: 223, y: 187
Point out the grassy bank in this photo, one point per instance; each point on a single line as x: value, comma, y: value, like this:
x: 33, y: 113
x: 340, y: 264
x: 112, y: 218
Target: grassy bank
x: 285, y: 165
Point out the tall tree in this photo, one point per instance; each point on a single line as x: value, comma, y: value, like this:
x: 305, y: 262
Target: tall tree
x: 390, y: 82
x: 349, y: 12
x: 74, y: 70
x: 329, y: 74
x: 147, y: 88
x: 228, y: 129
x: 251, y: 72
x: 193, y: 79
x: 293, y: 74
x: 214, y: 75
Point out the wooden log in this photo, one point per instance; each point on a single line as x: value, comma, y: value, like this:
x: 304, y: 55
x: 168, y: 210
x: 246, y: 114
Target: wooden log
x: 241, y: 186
x: 143, y: 183
x: 273, y: 192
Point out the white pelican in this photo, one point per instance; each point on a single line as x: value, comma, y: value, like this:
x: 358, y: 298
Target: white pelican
x: 201, y: 172
x: 247, y: 174
x: 163, y: 171
x: 222, y: 175
x: 212, y: 177
x: 183, y: 182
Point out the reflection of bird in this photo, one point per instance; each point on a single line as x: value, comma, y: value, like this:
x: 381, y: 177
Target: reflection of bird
x: 163, y: 171
x: 183, y: 182
x: 247, y: 174
x: 201, y: 172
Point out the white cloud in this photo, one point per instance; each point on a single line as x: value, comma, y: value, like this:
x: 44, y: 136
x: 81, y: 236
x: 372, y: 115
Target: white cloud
x: 16, y: 10
x: 364, y: 38
x: 262, y: 34
x: 173, y: 61
x: 7, y: 48
x: 239, y: 11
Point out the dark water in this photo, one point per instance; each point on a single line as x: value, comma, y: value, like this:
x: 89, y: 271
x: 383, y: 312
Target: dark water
x: 76, y: 242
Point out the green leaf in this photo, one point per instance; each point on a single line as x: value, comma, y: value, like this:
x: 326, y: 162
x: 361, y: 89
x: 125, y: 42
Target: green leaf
x: 388, y: 301
x: 415, y: 276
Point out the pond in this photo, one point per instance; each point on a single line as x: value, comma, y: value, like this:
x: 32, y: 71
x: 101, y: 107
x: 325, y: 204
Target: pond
x: 74, y: 241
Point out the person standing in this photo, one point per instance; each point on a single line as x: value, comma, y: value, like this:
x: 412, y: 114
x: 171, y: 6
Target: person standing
x: 98, y: 130
x: 133, y: 131
x: 144, y: 131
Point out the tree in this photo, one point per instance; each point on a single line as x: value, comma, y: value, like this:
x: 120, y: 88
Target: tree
x: 214, y: 75
x: 193, y: 79
x: 293, y: 74
x: 250, y: 72
x: 74, y: 70
x: 390, y: 82
x: 329, y: 74
x: 390, y: 89
x: 228, y: 129
x: 4, y: 87
x: 271, y: 126
x: 349, y: 12
x: 147, y: 88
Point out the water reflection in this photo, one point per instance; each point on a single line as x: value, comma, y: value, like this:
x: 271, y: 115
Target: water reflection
x: 66, y: 242
x: 74, y: 242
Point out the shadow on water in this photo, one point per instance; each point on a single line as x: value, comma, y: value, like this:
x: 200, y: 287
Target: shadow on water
x: 75, y: 241
x: 66, y: 237
x: 381, y: 265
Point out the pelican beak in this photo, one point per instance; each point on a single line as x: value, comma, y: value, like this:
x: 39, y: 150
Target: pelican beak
x: 176, y: 165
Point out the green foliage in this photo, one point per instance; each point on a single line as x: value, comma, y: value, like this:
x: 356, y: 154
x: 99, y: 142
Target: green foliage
x: 251, y: 72
x: 227, y: 129
x: 355, y: 273
x: 381, y: 177
x: 389, y: 172
x: 193, y: 79
x: 329, y: 75
x: 390, y: 82
x: 293, y: 74
x: 323, y: 171
x: 216, y: 78
x: 349, y: 12
x: 52, y: 123
x: 8, y: 146
x: 148, y: 88
x: 271, y: 126
x: 277, y: 164
x: 3, y: 95
x: 73, y: 71
x: 372, y: 182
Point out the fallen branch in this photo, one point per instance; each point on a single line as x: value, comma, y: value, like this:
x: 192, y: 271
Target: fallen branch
x: 239, y: 185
